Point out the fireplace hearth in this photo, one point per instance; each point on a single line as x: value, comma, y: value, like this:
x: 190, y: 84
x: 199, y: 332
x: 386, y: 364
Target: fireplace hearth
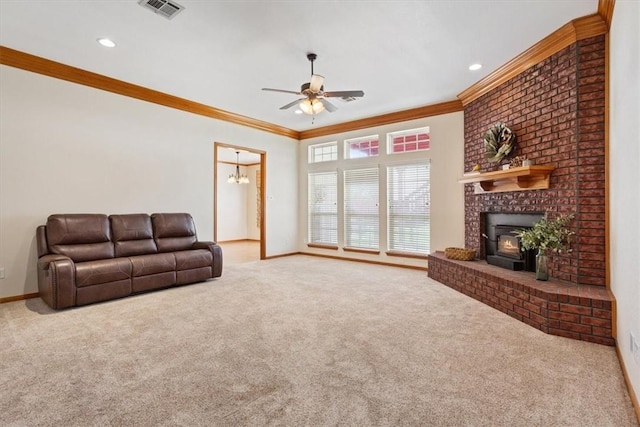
x: 502, y: 247
x: 543, y: 305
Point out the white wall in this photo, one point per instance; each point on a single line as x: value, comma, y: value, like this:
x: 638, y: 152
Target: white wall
x: 70, y: 148
x: 232, y: 205
x: 624, y: 167
x: 237, y: 206
x: 447, y: 195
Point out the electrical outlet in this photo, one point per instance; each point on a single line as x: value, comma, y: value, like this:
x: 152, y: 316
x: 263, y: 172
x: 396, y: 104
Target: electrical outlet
x: 1, y: 273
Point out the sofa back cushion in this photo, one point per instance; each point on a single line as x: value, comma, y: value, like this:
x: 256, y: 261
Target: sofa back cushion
x: 173, y: 231
x: 132, y: 235
x: 81, y: 237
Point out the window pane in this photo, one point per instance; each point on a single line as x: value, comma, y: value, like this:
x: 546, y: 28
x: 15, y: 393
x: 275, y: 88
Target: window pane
x: 408, y: 208
x: 367, y: 146
x: 361, y: 217
x: 409, y: 140
x: 323, y: 208
x: 323, y: 152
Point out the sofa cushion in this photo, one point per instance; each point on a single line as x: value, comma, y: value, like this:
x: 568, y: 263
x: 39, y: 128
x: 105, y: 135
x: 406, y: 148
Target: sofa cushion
x: 144, y: 265
x: 102, y: 271
x: 187, y: 260
x: 173, y: 231
x: 153, y: 281
x: 201, y: 274
x: 103, y: 292
x: 81, y: 237
x: 132, y: 235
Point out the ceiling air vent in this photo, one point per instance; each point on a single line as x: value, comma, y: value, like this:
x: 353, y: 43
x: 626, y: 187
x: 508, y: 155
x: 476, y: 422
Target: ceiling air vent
x: 166, y: 8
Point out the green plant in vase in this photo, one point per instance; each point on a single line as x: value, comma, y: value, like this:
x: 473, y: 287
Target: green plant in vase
x: 545, y: 236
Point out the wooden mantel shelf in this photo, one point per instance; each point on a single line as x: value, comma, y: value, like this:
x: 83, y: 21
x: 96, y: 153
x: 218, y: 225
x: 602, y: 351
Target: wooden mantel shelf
x: 522, y: 178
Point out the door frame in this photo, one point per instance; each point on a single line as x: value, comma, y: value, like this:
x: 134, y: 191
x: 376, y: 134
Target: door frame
x: 263, y: 182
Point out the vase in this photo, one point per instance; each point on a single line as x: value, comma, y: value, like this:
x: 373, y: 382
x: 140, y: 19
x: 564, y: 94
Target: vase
x: 542, y: 269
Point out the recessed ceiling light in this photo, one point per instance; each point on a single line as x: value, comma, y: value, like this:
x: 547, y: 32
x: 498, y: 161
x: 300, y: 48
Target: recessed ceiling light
x: 106, y: 42
x: 474, y: 67
x: 298, y: 111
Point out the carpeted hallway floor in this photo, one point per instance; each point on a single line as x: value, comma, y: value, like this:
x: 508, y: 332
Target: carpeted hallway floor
x: 300, y: 341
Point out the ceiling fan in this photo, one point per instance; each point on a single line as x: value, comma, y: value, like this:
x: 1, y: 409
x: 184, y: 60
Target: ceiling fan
x: 314, y: 100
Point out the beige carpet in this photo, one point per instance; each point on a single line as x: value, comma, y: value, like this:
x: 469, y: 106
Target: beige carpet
x: 300, y: 341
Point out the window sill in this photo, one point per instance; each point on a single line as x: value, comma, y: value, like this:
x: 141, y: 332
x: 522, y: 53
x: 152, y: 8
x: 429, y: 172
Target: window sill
x: 362, y: 251
x: 321, y: 246
x: 407, y: 255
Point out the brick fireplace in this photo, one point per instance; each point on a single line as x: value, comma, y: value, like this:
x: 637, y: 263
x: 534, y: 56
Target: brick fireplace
x: 556, y: 108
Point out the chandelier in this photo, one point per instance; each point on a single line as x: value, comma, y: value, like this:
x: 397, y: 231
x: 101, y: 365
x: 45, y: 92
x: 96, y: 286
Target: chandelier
x: 236, y: 178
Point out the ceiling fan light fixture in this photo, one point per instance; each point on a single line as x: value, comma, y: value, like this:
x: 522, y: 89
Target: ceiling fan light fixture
x: 305, y: 106
x: 311, y: 106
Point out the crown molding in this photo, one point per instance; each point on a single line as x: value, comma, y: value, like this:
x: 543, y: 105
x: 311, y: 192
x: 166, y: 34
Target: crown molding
x: 39, y: 65
x: 385, y: 119
x: 605, y: 10
x: 578, y: 29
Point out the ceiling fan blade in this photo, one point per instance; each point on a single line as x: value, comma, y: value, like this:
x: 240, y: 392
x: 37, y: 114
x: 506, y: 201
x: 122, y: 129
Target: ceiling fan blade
x: 316, y: 83
x: 291, y: 104
x: 281, y: 90
x: 327, y: 105
x: 344, y: 93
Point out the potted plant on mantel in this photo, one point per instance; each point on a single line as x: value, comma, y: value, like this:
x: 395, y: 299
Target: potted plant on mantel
x: 546, y: 236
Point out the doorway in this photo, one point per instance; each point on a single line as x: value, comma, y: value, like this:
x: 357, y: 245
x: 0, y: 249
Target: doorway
x: 239, y: 207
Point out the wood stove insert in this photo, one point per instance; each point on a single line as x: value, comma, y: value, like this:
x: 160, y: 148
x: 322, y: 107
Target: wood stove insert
x: 502, y: 246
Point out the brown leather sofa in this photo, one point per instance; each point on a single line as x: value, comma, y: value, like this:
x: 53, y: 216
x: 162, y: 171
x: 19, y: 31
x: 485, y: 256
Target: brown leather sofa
x: 86, y: 258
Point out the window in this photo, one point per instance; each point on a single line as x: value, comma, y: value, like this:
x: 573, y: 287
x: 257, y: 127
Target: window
x: 323, y: 152
x: 323, y: 208
x: 408, y: 140
x: 361, y: 218
x: 361, y: 147
x: 408, y: 218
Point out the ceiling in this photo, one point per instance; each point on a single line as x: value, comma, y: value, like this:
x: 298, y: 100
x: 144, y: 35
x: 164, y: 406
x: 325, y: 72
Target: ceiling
x: 243, y: 157
x: 402, y: 54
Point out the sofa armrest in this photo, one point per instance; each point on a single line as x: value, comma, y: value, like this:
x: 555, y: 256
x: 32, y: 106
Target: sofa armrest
x: 57, y: 281
x: 44, y: 262
x: 216, y: 251
x: 41, y: 241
